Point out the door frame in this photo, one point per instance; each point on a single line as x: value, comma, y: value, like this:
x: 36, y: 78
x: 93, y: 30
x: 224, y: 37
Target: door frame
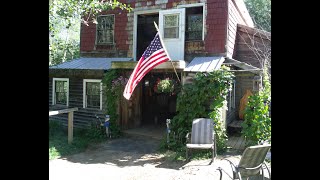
x: 180, y: 41
x: 135, y: 29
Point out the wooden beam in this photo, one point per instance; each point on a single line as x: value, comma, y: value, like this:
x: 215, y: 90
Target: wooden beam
x: 132, y: 65
x: 62, y: 111
x: 70, y: 127
x: 70, y: 120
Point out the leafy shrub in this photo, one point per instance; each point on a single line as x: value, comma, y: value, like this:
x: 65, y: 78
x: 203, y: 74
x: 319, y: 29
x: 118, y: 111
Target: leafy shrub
x: 257, y: 123
x: 203, y: 98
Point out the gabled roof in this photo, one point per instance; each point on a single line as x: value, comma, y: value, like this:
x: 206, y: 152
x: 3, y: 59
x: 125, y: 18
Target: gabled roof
x: 205, y: 64
x: 89, y: 63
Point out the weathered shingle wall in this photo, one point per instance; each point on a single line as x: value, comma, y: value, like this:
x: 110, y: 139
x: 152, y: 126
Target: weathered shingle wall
x: 215, y: 12
x: 252, y: 45
x: 237, y: 14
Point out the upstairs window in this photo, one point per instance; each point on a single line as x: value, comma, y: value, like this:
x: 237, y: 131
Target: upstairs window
x: 60, y: 91
x: 92, y: 96
x: 194, y: 23
x: 105, y: 29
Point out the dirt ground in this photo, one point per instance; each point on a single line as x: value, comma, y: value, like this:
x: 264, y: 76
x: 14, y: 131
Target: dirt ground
x: 130, y: 159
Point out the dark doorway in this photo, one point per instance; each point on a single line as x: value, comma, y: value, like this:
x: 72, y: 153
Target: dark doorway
x: 157, y: 107
x: 145, y: 32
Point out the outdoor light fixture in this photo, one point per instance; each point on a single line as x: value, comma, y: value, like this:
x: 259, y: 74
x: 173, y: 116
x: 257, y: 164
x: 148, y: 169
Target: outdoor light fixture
x: 146, y: 82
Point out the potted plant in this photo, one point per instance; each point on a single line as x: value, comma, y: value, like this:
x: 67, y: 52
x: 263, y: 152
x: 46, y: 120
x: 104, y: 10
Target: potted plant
x: 164, y: 88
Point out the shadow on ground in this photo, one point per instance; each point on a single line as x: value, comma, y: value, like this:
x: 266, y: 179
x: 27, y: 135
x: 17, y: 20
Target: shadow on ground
x: 122, y: 152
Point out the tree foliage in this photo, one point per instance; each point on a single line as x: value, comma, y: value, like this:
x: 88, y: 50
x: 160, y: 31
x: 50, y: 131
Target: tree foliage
x: 260, y: 12
x: 65, y: 17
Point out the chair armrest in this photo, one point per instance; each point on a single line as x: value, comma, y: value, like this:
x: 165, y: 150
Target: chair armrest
x: 188, y: 137
x: 233, y: 167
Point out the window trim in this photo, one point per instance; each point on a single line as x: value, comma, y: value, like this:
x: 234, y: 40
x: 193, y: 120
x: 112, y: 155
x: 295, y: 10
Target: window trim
x: 135, y: 28
x: 114, y: 25
x: 204, y: 12
x: 54, y: 89
x: 84, y: 91
x: 232, y: 96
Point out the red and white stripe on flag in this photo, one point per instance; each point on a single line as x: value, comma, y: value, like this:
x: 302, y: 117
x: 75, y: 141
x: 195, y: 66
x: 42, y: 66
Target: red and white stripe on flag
x: 152, y: 56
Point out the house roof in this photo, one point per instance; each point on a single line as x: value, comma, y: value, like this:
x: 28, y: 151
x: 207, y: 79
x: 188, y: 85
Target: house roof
x: 89, y: 63
x: 205, y: 64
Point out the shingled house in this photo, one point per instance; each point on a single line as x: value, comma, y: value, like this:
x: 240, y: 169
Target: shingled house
x: 200, y: 35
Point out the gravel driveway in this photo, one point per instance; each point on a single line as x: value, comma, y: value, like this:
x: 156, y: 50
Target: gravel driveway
x: 129, y: 159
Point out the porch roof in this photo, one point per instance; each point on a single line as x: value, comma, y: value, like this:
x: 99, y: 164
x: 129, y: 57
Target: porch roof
x: 205, y: 64
x: 89, y: 63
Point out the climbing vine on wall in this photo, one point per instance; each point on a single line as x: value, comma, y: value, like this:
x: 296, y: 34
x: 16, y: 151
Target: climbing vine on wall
x: 203, y: 98
x: 257, y: 123
x: 113, y: 87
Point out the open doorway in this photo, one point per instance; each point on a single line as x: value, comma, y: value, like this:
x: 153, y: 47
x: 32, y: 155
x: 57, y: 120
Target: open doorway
x: 145, y: 31
x: 157, y: 107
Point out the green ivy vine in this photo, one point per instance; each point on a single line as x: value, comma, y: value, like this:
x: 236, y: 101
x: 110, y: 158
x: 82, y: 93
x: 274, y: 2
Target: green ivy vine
x: 257, y: 121
x: 203, y: 98
x: 112, y: 95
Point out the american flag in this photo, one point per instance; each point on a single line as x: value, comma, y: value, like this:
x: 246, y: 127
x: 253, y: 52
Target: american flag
x: 152, y: 56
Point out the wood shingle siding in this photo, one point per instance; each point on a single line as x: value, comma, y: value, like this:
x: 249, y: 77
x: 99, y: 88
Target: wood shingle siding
x: 248, y: 39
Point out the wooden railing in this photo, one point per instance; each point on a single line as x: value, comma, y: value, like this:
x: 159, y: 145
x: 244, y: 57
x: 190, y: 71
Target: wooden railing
x: 70, y: 120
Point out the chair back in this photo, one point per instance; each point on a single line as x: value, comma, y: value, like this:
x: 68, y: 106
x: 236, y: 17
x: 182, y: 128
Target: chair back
x: 252, y: 159
x: 202, y: 131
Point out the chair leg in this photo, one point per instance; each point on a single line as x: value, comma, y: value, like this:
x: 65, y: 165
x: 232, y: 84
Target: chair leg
x: 213, y: 155
x: 220, y: 171
x: 186, y: 154
x: 269, y: 173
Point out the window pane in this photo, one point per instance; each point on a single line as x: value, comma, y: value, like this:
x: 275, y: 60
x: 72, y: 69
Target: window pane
x: 93, y: 101
x: 171, y: 26
x: 171, y: 32
x: 93, y: 94
x: 61, y: 98
x: 194, y: 27
x: 171, y: 20
x: 105, y: 29
x: 61, y: 88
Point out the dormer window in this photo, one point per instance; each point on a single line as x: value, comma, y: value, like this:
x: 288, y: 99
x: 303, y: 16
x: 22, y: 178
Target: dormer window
x: 105, y: 29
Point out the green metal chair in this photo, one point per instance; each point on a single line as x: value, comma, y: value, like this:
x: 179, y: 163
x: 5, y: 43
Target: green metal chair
x: 252, y: 163
x: 202, y: 136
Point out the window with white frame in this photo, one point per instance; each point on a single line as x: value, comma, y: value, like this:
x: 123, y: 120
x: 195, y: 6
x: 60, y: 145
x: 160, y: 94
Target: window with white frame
x: 60, y: 91
x: 92, y: 93
x: 105, y: 29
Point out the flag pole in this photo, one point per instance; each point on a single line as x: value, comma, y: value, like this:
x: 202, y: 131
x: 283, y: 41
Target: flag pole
x: 165, y: 49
